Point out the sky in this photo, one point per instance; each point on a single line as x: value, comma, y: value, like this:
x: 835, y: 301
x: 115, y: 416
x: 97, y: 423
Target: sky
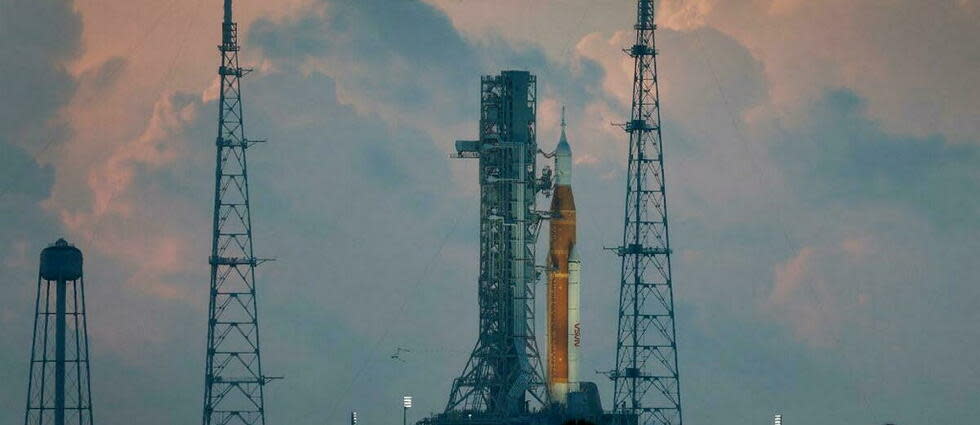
x: 822, y: 162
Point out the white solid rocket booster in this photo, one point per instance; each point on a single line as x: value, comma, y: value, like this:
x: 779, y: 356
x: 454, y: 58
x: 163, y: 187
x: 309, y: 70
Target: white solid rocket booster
x: 574, y: 322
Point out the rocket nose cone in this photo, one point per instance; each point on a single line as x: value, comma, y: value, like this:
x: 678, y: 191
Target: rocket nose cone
x: 563, y: 161
x: 563, y: 147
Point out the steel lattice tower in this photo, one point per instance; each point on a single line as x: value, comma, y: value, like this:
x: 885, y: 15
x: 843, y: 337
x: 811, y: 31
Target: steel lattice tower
x: 234, y: 382
x: 646, y: 382
x: 505, y: 366
x: 59, y: 390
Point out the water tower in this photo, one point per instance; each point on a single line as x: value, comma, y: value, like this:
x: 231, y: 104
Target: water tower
x: 58, y: 390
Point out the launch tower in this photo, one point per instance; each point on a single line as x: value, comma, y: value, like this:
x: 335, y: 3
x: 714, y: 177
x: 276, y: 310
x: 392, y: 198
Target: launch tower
x: 58, y: 389
x: 505, y: 367
x: 645, y: 379
x: 233, y: 382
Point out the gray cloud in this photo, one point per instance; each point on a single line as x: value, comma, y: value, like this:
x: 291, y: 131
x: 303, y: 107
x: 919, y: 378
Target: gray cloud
x: 853, y: 161
x: 38, y: 41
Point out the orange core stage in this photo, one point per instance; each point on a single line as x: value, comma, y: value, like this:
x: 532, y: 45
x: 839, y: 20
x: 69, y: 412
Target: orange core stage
x: 562, y: 232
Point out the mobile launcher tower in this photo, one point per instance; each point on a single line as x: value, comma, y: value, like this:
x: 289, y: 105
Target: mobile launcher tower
x: 503, y: 382
x: 505, y: 367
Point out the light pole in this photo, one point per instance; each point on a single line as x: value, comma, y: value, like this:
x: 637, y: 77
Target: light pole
x: 406, y: 403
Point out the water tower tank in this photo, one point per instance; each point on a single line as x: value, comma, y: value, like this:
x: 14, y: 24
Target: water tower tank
x: 61, y: 261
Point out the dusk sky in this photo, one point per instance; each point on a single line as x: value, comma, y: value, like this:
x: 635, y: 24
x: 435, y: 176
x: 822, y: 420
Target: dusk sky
x: 823, y: 179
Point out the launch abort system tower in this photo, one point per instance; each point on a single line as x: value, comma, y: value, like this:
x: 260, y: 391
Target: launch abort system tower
x: 645, y: 378
x: 58, y: 389
x: 504, y: 367
x: 233, y: 380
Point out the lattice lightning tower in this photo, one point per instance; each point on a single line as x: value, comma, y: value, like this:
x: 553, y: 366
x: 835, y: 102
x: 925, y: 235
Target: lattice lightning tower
x: 234, y: 382
x: 646, y: 382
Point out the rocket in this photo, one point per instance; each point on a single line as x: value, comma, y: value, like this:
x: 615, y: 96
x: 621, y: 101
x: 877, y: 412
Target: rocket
x: 564, y: 281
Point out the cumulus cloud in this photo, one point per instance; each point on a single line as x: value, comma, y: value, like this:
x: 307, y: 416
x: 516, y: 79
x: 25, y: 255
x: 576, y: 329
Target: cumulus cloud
x: 684, y: 14
x: 853, y: 159
x: 156, y: 147
x: 39, y: 41
x: 808, y: 47
x: 812, y: 294
x: 125, y: 204
x: 805, y: 48
x: 607, y: 52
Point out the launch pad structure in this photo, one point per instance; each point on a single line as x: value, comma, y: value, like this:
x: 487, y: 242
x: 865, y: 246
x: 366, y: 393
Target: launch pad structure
x: 505, y: 368
x: 503, y: 376
x: 504, y: 381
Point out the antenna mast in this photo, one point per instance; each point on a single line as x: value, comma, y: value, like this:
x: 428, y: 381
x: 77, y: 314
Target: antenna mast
x: 645, y: 379
x: 233, y: 382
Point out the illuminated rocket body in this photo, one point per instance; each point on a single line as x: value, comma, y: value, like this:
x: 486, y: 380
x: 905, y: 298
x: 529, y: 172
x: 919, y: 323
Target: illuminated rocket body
x: 564, y: 281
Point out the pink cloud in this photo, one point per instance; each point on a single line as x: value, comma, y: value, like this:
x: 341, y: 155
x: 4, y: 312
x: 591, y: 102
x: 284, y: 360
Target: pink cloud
x: 813, y: 297
x: 684, y: 14
x: 917, y: 82
x: 126, y: 219
x: 127, y: 122
x: 157, y: 146
x: 857, y: 248
x: 790, y: 276
x: 819, y: 289
x: 802, y: 298
x: 607, y: 51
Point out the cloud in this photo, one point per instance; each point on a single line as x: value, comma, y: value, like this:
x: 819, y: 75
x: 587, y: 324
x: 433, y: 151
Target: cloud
x: 805, y: 48
x: 618, y: 66
x: 126, y: 202
x: 852, y: 159
x: 43, y: 38
x: 554, y: 27
x: 857, y: 248
x: 159, y: 145
x: 809, y: 47
x: 808, y: 299
x: 683, y: 15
